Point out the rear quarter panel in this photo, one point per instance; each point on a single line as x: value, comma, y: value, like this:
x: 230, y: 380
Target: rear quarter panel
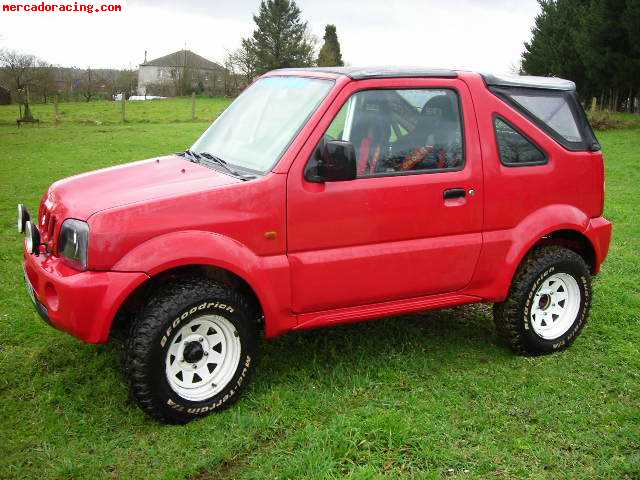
x: 524, y: 203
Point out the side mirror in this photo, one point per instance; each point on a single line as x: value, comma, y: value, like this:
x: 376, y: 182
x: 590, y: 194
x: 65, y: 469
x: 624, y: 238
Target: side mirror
x: 333, y: 161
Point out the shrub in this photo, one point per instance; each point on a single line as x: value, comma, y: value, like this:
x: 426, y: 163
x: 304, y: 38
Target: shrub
x: 603, y: 120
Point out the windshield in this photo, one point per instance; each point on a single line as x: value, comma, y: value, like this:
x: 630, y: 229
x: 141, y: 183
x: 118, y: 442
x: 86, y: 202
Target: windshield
x: 259, y: 125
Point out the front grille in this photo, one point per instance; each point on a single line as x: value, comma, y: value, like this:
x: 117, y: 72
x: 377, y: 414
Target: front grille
x: 52, y: 225
x: 44, y: 222
x: 48, y: 223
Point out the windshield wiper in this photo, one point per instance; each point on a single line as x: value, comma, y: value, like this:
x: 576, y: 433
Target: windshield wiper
x: 188, y: 153
x: 225, y: 165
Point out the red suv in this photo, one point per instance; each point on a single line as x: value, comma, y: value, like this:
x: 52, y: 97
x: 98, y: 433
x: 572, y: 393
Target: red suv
x: 325, y: 196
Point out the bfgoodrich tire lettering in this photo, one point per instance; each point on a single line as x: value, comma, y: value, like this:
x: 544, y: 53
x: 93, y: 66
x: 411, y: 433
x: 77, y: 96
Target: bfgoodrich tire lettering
x: 176, y: 305
x: 513, y: 317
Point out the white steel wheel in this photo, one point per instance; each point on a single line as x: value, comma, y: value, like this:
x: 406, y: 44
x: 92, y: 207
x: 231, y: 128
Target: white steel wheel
x: 555, y: 306
x: 202, y: 357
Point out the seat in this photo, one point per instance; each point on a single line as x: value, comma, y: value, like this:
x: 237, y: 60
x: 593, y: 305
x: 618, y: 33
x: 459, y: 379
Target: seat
x: 429, y: 145
x: 439, y: 120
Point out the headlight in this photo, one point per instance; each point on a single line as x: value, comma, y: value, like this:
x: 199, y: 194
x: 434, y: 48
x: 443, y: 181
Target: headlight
x: 73, y: 243
x: 23, y: 217
x: 32, y: 240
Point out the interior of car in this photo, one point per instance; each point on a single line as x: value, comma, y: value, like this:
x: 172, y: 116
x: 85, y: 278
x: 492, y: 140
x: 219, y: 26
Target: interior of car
x: 403, y: 130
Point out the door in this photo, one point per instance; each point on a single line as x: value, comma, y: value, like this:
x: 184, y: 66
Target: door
x: 410, y: 224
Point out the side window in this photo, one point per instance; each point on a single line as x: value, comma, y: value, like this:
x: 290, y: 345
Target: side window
x: 401, y: 131
x: 553, y: 110
x: 514, y: 148
x: 557, y: 112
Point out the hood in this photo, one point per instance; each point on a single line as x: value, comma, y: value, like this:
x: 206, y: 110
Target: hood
x: 83, y: 195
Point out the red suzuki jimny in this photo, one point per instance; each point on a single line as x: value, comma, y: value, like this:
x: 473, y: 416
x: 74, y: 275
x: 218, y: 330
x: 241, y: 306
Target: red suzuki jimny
x: 324, y: 196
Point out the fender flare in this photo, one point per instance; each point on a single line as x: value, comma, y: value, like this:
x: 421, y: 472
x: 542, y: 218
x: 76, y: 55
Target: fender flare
x: 267, y: 276
x: 541, y: 223
x: 508, y: 247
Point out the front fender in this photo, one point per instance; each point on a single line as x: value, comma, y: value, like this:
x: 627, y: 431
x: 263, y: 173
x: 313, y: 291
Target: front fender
x: 268, y: 276
x: 503, y: 250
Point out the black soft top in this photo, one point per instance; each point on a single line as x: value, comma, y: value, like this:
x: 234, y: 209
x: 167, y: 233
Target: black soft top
x: 526, y: 81
x: 363, y: 73
x: 493, y: 80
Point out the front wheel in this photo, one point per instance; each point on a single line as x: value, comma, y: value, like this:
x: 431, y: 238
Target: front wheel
x: 191, y: 351
x: 548, y: 302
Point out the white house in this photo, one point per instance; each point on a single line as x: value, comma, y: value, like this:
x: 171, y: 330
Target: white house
x: 177, y: 72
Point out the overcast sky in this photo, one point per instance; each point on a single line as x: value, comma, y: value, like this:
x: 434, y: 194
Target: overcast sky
x: 483, y: 35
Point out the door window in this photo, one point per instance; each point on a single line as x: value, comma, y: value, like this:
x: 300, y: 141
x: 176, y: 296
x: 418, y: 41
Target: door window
x: 401, y: 131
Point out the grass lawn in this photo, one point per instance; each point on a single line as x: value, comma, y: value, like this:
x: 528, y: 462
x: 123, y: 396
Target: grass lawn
x: 431, y: 395
x: 170, y: 110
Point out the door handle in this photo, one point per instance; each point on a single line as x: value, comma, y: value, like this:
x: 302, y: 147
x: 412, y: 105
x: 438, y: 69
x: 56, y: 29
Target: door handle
x: 454, y: 193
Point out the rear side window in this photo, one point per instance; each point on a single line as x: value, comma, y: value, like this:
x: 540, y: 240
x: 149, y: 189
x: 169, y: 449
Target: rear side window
x: 514, y: 148
x: 555, y: 111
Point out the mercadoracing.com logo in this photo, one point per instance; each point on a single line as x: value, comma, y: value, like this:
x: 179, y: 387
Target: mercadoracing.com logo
x: 70, y: 7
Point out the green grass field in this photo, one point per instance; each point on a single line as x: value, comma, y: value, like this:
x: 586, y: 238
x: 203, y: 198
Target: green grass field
x: 426, y: 396
x: 172, y: 110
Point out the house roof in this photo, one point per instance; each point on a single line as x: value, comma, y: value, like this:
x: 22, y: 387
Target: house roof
x: 183, y: 58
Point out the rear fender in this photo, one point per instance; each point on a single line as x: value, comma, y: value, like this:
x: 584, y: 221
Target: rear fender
x: 504, y: 250
x: 267, y: 276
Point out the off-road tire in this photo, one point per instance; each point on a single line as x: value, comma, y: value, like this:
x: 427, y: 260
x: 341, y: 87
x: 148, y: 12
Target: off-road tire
x: 513, y: 316
x: 173, y: 306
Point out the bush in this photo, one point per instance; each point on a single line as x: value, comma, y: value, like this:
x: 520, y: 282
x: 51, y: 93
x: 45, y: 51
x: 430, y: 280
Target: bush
x: 603, y: 120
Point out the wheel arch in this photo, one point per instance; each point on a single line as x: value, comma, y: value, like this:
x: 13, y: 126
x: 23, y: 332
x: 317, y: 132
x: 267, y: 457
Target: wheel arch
x: 563, y: 225
x: 264, y: 280
x: 136, y: 299
x: 573, y: 240
x: 568, y: 237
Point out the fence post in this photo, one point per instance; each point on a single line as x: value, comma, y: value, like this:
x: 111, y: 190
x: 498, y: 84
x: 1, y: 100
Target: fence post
x: 56, y: 112
x: 193, y: 105
x: 124, y: 99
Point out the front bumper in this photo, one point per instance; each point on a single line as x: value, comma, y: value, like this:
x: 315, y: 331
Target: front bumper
x: 83, y: 304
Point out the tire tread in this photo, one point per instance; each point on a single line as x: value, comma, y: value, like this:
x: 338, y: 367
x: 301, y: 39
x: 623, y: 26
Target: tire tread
x: 144, y: 329
x: 507, y: 314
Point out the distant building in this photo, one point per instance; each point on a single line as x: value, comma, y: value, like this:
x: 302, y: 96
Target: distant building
x: 180, y: 73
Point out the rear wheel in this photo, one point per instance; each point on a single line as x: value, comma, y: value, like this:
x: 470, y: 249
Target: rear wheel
x: 548, y: 302
x: 191, y: 350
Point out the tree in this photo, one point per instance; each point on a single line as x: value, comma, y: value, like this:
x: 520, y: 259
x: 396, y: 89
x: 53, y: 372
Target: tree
x: 595, y: 43
x: 241, y: 63
x: 607, y: 51
x: 127, y: 82
x: 281, y: 38
x: 17, y: 71
x: 18, y: 74
x: 119, y: 81
x: 330, y: 55
x: 88, y: 84
x: 44, y: 80
x: 182, y: 79
x: 553, y: 48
